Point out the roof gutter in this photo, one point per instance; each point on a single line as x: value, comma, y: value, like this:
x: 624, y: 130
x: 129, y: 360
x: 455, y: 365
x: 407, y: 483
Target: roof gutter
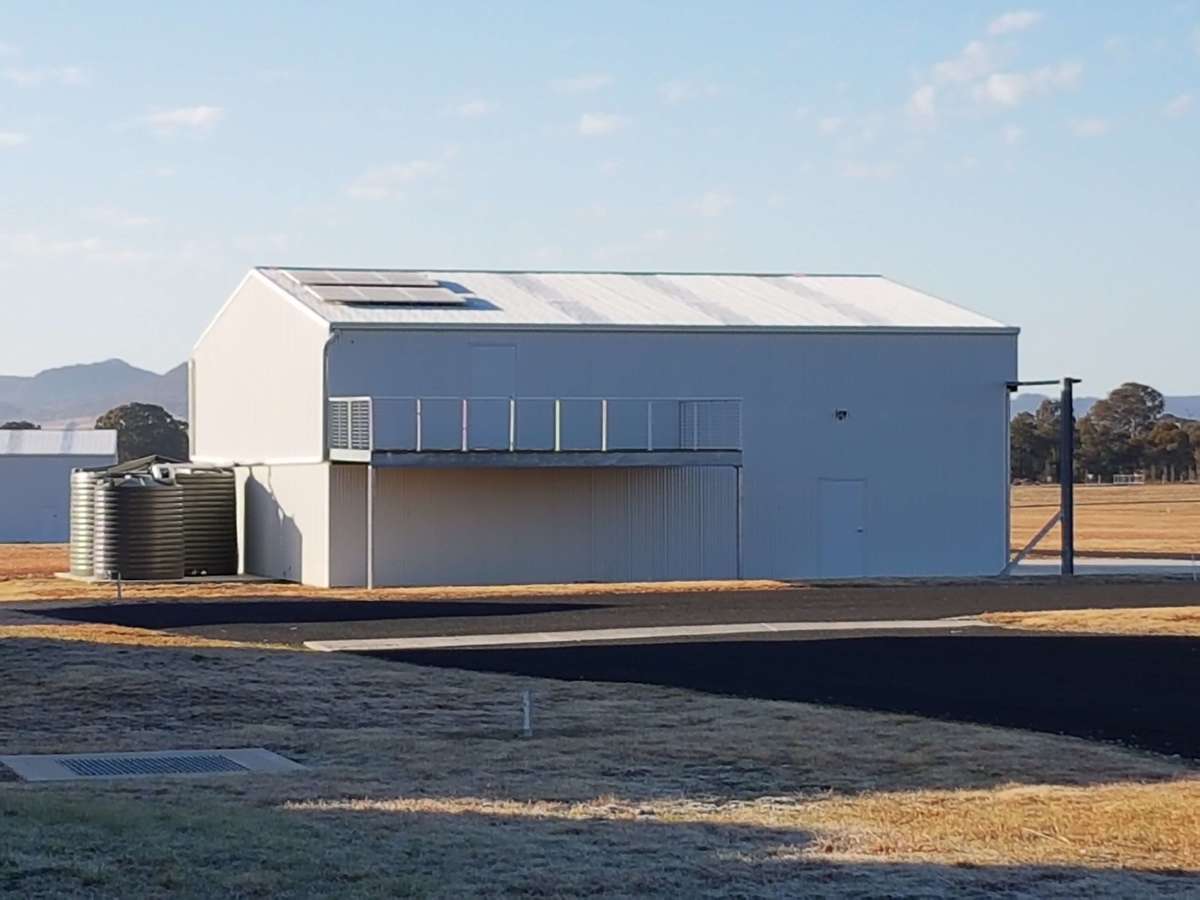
x: 677, y: 329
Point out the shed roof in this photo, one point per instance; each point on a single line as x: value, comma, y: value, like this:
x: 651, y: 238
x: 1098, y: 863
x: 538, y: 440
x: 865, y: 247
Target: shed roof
x: 72, y: 442
x: 594, y: 300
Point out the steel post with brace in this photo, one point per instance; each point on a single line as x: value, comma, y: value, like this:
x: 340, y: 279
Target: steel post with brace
x: 1065, y: 516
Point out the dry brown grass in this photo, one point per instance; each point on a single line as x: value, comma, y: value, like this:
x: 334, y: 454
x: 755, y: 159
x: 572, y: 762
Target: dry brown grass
x: 1152, y: 519
x: 420, y: 786
x: 26, y: 574
x: 1183, y: 621
x: 123, y: 636
x: 32, y: 560
x: 1044, y: 826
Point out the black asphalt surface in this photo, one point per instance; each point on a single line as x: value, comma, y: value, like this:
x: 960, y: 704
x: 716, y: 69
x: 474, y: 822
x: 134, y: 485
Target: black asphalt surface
x: 1137, y: 691
x: 293, y: 621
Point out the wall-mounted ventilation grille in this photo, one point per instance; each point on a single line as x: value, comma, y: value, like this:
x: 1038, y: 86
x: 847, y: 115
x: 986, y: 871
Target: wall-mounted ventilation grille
x: 360, y: 424
x: 339, y: 424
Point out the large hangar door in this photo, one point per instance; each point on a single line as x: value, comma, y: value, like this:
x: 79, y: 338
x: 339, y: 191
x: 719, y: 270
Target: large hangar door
x: 551, y: 525
x: 842, y: 509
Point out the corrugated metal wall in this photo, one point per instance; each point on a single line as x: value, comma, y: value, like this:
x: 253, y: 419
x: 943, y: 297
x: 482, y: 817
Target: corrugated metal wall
x: 924, y: 424
x: 509, y: 526
x: 284, y: 521
x: 35, y: 495
x: 256, y: 383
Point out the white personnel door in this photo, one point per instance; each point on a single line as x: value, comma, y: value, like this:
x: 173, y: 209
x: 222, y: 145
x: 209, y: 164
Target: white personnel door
x: 843, y: 527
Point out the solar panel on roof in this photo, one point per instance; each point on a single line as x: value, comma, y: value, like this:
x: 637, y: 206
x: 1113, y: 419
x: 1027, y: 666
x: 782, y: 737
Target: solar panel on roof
x: 388, y: 295
x: 362, y: 277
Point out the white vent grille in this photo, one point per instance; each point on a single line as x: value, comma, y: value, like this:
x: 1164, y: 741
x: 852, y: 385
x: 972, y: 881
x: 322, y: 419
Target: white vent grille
x: 360, y: 424
x: 339, y: 424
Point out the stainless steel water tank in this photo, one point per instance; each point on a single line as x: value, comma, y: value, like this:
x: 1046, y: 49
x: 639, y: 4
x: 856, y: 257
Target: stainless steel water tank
x: 82, y: 514
x: 137, y: 528
x: 209, y: 520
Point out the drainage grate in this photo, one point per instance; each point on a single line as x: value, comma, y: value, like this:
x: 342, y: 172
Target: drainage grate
x: 107, y: 767
x: 67, y: 766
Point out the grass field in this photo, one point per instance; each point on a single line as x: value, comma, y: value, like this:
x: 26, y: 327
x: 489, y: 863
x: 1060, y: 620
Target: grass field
x: 418, y: 785
x: 1182, y: 621
x: 1153, y: 519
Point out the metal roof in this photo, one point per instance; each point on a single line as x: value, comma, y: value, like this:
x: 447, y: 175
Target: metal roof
x: 592, y: 300
x: 77, y: 442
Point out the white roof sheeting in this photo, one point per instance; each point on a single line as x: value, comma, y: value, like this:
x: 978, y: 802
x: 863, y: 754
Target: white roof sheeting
x: 78, y: 442
x: 592, y: 300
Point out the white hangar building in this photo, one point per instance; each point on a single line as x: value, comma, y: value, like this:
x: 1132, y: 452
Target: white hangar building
x: 35, y: 479
x: 412, y: 428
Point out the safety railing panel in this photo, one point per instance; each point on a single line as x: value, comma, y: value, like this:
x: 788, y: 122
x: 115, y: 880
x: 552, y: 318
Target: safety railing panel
x: 529, y: 424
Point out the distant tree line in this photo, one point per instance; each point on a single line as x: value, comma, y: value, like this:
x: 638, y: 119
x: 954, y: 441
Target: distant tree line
x: 144, y: 429
x: 1125, y: 433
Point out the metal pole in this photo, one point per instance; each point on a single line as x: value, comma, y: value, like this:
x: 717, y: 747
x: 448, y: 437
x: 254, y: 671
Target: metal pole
x: 527, y: 713
x: 370, y: 527
x: 1066, y: 474
x: 740, y: 568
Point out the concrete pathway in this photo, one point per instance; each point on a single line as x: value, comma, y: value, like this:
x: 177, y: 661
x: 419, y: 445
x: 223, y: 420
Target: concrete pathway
x: 609, y: 635
x: 1112, y: 566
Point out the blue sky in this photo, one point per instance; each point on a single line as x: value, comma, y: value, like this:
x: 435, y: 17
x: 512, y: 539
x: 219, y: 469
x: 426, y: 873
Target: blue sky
x: 1036, y: 163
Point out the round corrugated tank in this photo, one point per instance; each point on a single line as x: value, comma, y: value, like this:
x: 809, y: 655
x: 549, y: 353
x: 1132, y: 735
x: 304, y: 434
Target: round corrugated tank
x: 138, y: 529
x: 82, y: 514
x: 209, y: 520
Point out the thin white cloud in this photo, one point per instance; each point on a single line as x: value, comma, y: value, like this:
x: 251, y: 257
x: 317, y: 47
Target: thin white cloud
x: 1178, y: 107
x: 1089, y: 128
x: 119, y: 218
x: 680, y: 91
x: 66, y: 76
x: 974, y: 61
x: 1116, y: 45
x: 389, y: 182
x: 274, y: 243
x: 31, y: 245
x: 922, y: 105
x: 472, y: 109
x: 1013, y: 88
x: 713, y: 204
x: 830, y: 125
x: 877, y: 171
x: 1013, y: 134
x: 183, y: 118
x: 599, y: 124
x: 13, y: 138
x: 1017, y: 20
x: 581, y: 84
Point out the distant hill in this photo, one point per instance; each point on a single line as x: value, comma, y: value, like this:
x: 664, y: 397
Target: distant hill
x: 81, y: 393
x: 1183, y: 407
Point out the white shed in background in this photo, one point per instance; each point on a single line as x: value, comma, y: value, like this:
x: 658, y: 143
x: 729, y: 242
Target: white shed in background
x: 35, y: 476
x: 399, y: 427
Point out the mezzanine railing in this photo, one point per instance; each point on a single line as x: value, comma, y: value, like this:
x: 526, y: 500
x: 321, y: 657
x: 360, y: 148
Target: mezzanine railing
x: 534, y: 424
